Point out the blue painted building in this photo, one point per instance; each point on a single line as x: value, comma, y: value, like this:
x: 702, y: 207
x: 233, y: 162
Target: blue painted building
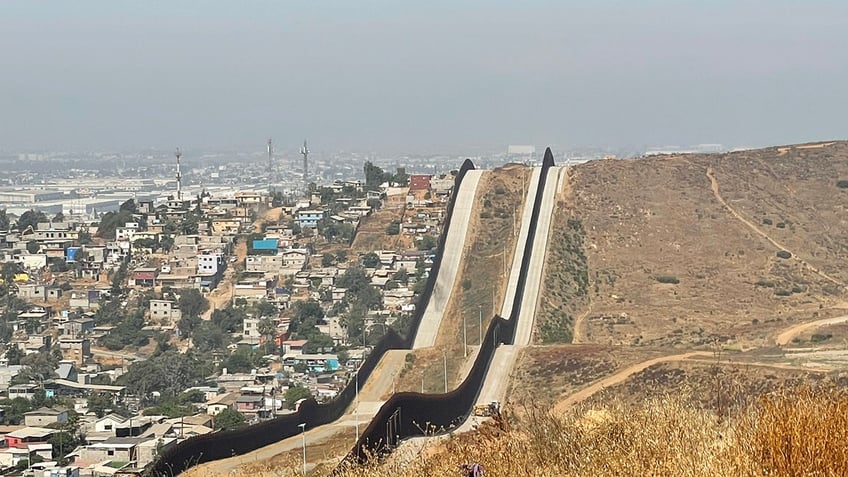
x: 310, y: 217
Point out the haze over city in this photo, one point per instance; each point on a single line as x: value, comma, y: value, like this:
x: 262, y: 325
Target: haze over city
x: 427, y: 77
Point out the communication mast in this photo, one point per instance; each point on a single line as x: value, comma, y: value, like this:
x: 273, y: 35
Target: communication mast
x: 305, y: 152
x: 179, y: 154
x: 270, y: 165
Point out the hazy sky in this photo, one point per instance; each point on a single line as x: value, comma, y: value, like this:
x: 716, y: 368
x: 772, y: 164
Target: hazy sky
x: 419, y: 75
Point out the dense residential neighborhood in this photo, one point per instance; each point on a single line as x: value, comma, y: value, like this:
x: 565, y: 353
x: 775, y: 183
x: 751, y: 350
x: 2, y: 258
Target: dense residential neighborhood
x: 165, y: 319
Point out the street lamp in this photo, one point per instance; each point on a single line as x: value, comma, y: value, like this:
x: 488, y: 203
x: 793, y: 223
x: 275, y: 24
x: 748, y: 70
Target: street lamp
x: 302, y: 427
x: 356, y: 407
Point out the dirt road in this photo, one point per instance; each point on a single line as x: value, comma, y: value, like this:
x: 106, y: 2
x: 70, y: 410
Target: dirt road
x: 715, y: 188
x: 790, y: 333
x: 220, y: 297
x: 619, y: 377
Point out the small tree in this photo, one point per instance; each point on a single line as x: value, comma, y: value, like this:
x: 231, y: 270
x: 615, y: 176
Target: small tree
x: 370, y: 260
x: 428, y: 242
x: 33, y: 247
x: 295, y: 394
x: 4, y: 221
x: 192, y: 302
x: 229, y: 419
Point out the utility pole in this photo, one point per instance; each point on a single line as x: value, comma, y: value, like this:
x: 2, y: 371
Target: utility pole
x: 481, y: 320
x: 445, y: 357
x: 464, y: 334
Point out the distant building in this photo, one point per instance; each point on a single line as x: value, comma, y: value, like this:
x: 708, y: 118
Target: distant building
x: 165, y: 310
x: 309, y: 217
x: 143, y: 277
x: 419, y: 182
x: 45, y: 416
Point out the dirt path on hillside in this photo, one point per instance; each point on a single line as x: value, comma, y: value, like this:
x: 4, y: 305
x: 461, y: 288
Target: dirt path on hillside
x: 782, y: 339
x: 220, y: 297
x: 790, y: 333
x: 619, y: 377
x: 715, y: 188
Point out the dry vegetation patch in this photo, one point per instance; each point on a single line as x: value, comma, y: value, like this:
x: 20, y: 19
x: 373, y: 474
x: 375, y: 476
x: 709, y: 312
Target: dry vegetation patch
x: 796, y: 431
x: 668, y: 264
x: 545, y: 373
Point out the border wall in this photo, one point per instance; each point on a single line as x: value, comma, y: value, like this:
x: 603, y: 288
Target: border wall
x: 221, y: 445
x: 410, y: 414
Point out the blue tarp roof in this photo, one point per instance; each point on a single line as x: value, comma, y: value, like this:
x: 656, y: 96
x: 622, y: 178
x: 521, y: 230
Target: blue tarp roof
x: 265, y: 244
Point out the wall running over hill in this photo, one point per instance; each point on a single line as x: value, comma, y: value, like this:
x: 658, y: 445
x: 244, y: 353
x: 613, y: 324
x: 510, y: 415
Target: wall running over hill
x: 221, y: 445
x: 410, y: 414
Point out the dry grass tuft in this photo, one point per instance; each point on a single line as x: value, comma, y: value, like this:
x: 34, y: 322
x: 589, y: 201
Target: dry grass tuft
x: 797, y: 433
x: 802, y: 434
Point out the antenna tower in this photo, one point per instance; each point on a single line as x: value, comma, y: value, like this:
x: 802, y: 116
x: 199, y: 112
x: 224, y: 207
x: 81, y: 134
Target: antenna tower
x: 305, y: 152
x: 179, y: 154
x: 270, y: 164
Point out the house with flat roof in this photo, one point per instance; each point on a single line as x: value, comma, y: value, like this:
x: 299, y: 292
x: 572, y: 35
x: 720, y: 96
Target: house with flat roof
x: 45, y: 416
x: 310, y: 217
x: 28, y: 435
x: 165, y: 310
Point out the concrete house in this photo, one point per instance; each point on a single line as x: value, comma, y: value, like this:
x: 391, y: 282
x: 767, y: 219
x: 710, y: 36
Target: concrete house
x: 45, y: 416
x: 27, y: 436
x: 309, y: 217
x: 295, y: 259
x: 165, y: 310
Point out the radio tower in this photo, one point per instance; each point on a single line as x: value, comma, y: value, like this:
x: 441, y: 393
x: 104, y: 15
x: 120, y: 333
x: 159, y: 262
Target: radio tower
x: 179, y: 176
x: 305, y: 152
x: 270, y: 165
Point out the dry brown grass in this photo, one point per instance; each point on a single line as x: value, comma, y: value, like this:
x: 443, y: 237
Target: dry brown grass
x: 656, y: 217
x: 794, y: 433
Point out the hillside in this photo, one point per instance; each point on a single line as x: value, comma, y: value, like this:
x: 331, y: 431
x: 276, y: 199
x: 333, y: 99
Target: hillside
x: 720, y: 274
x: 683, y: 251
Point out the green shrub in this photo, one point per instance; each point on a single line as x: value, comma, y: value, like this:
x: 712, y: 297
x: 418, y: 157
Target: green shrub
x: 668, y: 279
x: 767, y: 221
x: 819, y: 337
x: 784, y: 254
x: 843, y: 184
x: 782, y: 292
x: 762, y: 282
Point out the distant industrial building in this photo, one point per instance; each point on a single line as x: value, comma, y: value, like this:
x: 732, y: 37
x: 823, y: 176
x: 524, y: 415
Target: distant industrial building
x: 31, y: 196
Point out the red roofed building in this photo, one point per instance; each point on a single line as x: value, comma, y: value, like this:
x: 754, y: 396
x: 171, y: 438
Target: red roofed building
x: 419, y: 182
x: 143, y: 277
